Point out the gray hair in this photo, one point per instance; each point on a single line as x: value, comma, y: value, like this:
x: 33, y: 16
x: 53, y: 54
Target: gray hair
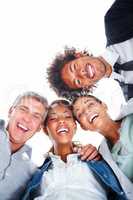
x: 34, y: 95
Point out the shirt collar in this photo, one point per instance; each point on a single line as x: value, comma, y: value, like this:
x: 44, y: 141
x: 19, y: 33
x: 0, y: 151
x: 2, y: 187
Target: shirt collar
x: 71, y: 158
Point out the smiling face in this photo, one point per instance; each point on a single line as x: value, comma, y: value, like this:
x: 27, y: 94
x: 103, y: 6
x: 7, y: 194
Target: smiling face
x: 61, y: 125
x: 90, y: 113
x: 25, y: 119
x: 83, y: 72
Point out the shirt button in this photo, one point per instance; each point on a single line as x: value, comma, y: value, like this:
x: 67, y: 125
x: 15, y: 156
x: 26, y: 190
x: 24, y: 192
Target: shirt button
x: 121, y: 193
x: 7, y: 174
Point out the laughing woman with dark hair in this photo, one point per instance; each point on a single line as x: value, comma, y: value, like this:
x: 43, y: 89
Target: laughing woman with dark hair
x: 92, y: 114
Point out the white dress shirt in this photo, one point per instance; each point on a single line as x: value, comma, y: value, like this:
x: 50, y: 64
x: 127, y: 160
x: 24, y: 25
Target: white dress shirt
x: 121, y: 53
x: 109, y: 91
x: 69, y: 181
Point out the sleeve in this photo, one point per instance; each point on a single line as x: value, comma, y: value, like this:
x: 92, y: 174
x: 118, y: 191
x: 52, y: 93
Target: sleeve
x: 109, y: 91
x: 110, y: 56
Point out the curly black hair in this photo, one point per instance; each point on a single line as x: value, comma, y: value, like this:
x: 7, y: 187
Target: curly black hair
x: 54, y: 72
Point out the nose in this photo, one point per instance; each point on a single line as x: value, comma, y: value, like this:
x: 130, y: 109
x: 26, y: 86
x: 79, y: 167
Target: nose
x: 61, y: 121
x: 81, y: 72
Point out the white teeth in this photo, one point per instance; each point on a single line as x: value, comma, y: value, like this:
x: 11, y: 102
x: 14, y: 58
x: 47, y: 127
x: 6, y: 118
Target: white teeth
x: 22, y: 127
x: 93, y: 117
x: 90, y: 70
x: 62, y: 130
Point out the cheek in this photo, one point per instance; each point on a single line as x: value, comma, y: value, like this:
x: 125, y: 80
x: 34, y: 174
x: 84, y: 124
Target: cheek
x: 85, y: 124
x: 84, y: 81
x: 51, y: 128
x: 83, y: 120
x: 35, y: 125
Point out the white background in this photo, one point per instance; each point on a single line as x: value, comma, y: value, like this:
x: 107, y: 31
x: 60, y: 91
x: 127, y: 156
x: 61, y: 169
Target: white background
x: 32, y: 32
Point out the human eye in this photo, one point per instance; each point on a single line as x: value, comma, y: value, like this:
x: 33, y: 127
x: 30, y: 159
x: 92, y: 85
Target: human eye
x: 91, y: 104
x: 77, y: 82
x: 37, y: 117
x: 52, y: 118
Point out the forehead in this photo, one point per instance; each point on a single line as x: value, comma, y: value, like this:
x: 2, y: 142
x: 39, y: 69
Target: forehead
x: 82, y: 59
x: 58, y: 108
x: 83, y: 101
x: 31, y: 102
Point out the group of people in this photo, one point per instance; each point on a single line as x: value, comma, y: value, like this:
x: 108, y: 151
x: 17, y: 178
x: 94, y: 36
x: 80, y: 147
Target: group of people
x: 70, y: 171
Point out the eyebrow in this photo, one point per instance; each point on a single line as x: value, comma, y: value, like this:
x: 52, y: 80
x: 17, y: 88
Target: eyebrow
x: 87, y: 100
x: 22, y: 106
x: 25, y: 107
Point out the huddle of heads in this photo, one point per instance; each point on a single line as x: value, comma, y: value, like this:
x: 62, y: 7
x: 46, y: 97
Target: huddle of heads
x: 76, y: 111
x: 71, y: 75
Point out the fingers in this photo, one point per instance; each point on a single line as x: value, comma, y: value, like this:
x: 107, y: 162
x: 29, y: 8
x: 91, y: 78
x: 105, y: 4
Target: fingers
x: 98, y: 157
x: 77, y: 146
x: 89, y: 152
x: 77, y: 149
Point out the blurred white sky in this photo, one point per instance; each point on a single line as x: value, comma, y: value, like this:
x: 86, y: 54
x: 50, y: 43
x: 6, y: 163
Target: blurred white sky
x: 33, y: 31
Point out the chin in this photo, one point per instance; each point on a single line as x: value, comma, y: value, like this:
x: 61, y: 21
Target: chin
x: 85, y: 128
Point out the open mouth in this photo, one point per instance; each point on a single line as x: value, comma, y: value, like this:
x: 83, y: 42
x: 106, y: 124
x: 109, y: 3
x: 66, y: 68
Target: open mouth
x: 93, y: 117
x: 22, y: 127
x: 90, y: 71
x: 62, y: 131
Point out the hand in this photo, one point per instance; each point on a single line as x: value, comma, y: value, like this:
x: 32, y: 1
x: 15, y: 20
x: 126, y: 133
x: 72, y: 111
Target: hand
x: 87, y: 152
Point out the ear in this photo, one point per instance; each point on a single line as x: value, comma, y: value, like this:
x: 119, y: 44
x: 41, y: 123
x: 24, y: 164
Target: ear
x: 104, y: 106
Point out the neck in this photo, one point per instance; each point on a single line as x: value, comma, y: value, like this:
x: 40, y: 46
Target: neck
x: 15, y: 147
x: 108, y: 67
x: 63, y: 150
x: 111, y: 132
